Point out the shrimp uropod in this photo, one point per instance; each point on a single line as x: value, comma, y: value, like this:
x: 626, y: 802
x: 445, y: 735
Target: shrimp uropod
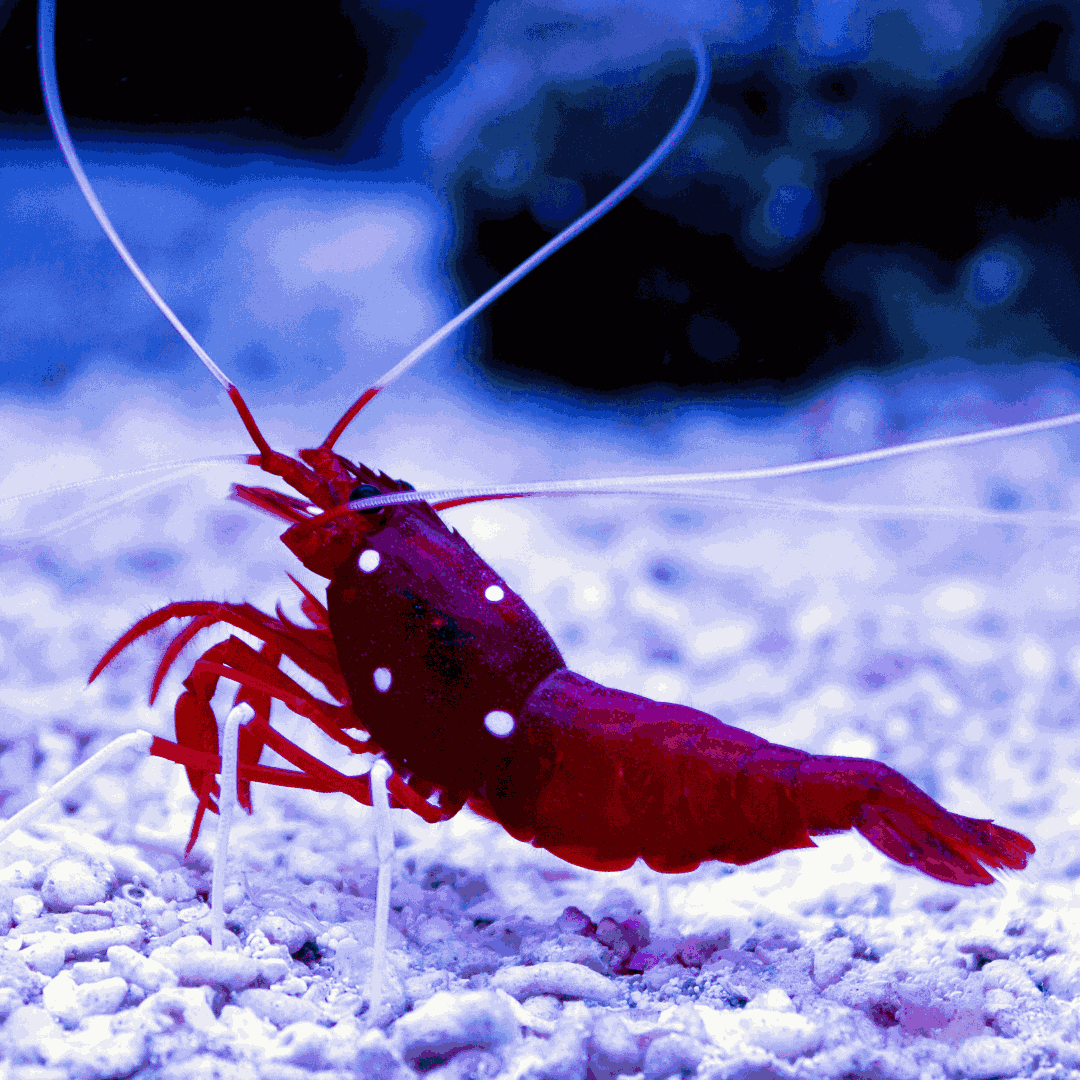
x: 954, y: 855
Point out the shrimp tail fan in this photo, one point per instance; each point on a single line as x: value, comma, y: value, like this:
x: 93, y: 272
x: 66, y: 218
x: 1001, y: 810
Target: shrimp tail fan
x: 946, y: 846
x: 905, y: 824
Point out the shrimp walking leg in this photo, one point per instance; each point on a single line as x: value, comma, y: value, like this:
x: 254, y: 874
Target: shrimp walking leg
x: 230, y: 753
x: 384, y: 846
x: 138, y: 740
x: 261, y: 681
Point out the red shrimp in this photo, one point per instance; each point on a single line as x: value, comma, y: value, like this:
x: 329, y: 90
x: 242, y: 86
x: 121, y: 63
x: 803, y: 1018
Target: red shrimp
x: 428, y: 652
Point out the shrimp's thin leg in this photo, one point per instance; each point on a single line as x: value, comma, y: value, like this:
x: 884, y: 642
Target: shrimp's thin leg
x: 384, y: 845
x: 230, y: 750
x: 134, y: 740
x: 663, y: 890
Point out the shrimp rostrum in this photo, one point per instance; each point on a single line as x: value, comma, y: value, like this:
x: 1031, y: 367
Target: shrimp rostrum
x: 433, y: 661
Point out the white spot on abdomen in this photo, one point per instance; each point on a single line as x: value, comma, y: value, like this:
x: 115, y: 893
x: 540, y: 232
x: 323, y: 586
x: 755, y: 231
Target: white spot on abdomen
x: 369, y: 560
x: 499, y: 723
x: 493, y: 593
x: 383, y: 679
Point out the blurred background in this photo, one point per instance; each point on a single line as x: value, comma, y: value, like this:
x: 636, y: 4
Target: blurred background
x: 868, y: 186
x: 868, y: 236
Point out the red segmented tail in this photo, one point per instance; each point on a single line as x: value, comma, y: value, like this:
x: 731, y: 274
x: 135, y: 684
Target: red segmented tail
x: 952, y: 848
x: 905, y: 823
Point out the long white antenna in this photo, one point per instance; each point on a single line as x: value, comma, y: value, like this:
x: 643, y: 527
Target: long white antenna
x: 51, y: 90
x: 611, y: 485
x: 47, y: 60
x: 637, y: 177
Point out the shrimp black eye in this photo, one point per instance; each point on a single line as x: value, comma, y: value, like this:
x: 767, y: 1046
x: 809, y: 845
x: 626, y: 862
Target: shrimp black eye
x: 366, y: 491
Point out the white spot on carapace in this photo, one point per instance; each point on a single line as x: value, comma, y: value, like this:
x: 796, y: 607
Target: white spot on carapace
x: 493, y: 593
x: 383, y: 679
x: 499, y: 723
x: 369, y: 560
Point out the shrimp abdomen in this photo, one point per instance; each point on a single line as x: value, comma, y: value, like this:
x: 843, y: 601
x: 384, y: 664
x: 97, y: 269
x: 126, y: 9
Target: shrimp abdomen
x: 602, y: 777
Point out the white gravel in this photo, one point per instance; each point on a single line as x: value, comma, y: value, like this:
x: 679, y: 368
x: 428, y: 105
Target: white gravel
x: 826, y: 963
x: 861, y: 982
